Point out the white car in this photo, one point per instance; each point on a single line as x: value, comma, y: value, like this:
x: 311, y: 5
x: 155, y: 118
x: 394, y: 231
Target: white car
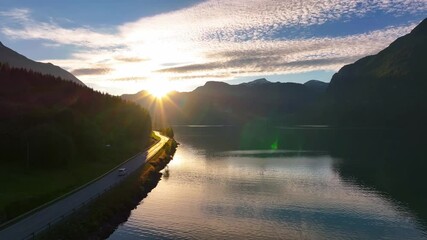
x: 122, y: 171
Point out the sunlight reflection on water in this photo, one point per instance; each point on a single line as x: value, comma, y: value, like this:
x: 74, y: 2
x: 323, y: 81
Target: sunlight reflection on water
x: 263, y: 194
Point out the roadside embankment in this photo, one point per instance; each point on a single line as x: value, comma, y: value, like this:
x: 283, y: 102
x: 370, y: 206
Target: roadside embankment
x: 100, y: 218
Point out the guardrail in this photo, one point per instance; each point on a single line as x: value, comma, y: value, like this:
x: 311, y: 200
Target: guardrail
x: 62, y: 217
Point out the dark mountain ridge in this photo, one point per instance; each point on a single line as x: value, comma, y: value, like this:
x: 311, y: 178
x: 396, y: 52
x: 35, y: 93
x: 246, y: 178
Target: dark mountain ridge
x: 17, y: 60
x: 66, y: 121
x: 256, y: 82
x: 317, y: 85
x: 59, y: 131
x: 388, y: 88
x: 222, y: 103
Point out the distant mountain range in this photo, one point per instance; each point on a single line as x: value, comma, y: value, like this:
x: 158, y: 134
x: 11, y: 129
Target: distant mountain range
x: 17, y: 60
x: 317, y: 85
x: 222, y: 103
x: 386, y: 89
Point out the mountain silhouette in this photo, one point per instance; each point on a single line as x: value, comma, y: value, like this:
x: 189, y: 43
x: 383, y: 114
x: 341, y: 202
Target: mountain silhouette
x: 256, y: 82
x: 317, y: 85
x: 388, y: 88
x: 17, y: 60
x: 222, y: 103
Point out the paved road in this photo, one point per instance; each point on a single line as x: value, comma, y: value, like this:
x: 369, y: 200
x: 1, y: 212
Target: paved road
x: 41, y: 219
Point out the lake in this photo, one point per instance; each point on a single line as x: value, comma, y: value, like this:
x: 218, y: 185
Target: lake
x: 307, y: 182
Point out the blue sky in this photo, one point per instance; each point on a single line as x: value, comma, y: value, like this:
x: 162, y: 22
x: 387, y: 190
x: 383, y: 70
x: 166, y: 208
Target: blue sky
x: 126, y: 46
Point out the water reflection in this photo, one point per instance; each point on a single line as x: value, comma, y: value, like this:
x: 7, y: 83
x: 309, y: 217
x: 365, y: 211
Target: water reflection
x: 165, y: 173
x: 229, y: 183
x: 393, y: 163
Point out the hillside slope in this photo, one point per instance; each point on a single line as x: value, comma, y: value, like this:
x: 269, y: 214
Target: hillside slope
x: 17, y: 60
x: 56, y: 135
x: 388, y: 88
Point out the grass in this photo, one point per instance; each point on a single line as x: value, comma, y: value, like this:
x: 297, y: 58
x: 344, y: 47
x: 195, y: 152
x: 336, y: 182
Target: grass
x: 24, y: 190
x: 100, y: 218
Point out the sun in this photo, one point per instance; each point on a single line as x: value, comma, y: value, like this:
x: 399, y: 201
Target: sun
x: 159, y: 89
x: 158, y: 92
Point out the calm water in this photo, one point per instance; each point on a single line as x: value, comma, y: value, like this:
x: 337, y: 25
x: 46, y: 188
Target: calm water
x: 305, y: 183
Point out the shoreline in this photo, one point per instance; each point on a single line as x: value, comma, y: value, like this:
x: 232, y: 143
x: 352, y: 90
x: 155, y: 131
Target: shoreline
x: 101, y: 218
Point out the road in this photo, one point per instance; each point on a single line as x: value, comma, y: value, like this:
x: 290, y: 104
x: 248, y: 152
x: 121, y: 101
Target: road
x: 39, y: 220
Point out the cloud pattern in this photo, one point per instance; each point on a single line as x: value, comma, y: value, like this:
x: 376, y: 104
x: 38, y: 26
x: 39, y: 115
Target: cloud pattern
x: 222, y: 39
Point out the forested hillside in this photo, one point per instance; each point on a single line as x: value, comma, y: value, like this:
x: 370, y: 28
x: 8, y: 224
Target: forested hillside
x: 46, y: 123
x: 386, y: 89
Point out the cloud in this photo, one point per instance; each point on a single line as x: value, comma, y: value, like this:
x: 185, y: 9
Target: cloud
x: 202, y: 76
x: 83, y: 37
x: 221, y: 39
x: 19, y: 14
x: 139, y: 78
x: 237, y: 21
x: 130, y: 59
x: 289, y: 56
x: 319, y: 63
x: 192, y: 68
x: 90, y: 71
x: 25, y: 27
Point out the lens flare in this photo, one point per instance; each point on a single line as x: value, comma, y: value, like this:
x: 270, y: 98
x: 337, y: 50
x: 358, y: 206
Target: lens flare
x: 159, y: 89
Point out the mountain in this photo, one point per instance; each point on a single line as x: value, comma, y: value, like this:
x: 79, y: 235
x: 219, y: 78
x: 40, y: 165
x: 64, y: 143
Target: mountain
x: 222, y: 103
x: 17, y: 60
x: 388, y: 88
x: 66, y: 121
x: 256, y: 82
x: 54, y: 130
x: 317, y: 85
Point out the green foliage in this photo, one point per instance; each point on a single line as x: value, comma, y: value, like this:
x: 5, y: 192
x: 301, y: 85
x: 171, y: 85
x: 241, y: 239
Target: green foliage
x: 168, y: 132
x: 101, y: 217
x: 49, y: 147
x: 62, y: 121
x: 56, y: 135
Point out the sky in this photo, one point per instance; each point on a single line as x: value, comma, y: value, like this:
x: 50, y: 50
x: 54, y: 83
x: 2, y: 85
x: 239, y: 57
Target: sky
x: 127, y: 46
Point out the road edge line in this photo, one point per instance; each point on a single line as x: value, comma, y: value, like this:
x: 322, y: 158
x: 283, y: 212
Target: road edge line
x: 34, y: 210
